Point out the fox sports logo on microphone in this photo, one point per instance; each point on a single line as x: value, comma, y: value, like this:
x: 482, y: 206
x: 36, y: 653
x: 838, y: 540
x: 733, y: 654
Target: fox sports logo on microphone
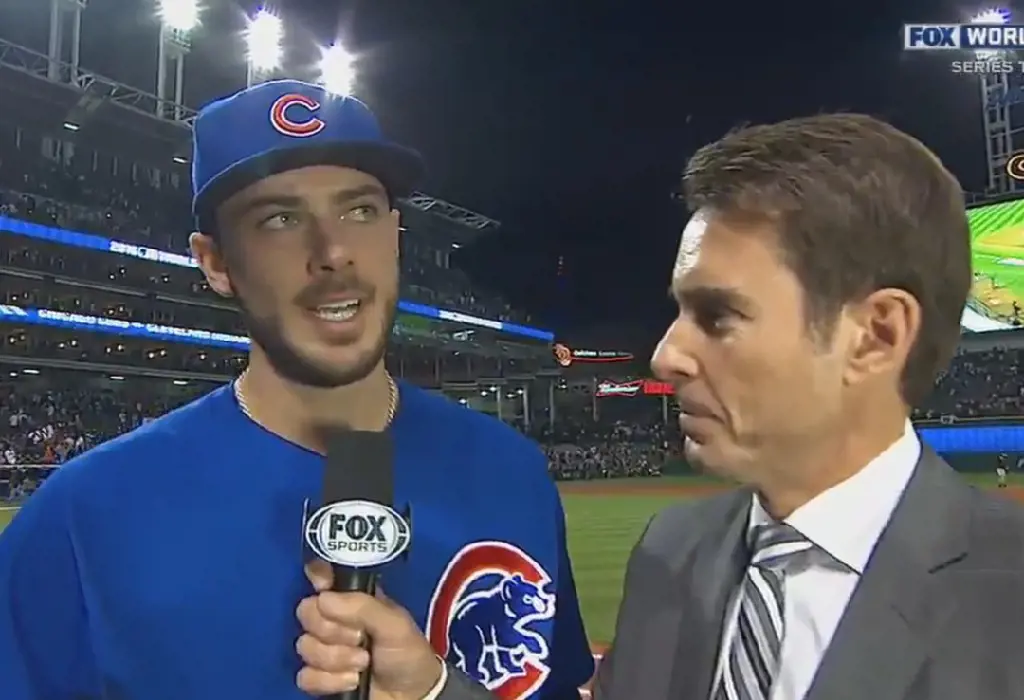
x: 358, y: 534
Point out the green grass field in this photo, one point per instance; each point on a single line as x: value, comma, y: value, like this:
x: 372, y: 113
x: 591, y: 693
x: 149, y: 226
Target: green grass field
x: 604, y: 520
x: 602, y: 530
x: 997, y: 243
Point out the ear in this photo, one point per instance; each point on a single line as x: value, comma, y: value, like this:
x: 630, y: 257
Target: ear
x: 885, y: 326
x: 211, y: 261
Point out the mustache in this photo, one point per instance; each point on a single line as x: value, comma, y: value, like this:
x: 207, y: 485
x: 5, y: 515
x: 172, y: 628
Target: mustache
x: 332, y: 286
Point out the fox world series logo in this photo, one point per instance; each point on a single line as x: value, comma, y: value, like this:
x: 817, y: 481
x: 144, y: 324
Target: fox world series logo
x: 484, y: 614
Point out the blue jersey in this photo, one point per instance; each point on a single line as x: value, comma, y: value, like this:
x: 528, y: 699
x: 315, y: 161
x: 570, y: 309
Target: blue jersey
x: 168, y: 563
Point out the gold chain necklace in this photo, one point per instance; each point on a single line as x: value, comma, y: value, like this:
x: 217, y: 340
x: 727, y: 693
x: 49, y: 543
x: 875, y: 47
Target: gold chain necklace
x: 236, y: 387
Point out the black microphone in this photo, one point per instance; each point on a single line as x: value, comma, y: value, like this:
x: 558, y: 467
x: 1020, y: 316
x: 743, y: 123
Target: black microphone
x: 357, y: 529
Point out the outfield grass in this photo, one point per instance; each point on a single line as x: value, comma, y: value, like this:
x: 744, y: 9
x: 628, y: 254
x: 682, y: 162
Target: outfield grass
x: 605, y: 519
x: 602, y: 530
x: 997, y: 246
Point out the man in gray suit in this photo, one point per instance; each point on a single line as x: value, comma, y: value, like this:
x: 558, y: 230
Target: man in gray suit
x: 819, y: 284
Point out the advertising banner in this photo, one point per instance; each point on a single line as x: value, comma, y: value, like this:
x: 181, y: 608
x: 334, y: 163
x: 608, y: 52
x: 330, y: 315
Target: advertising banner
x: 566, y: 356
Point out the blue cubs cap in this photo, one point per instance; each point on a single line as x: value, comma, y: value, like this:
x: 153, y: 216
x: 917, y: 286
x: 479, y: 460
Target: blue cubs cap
x: 282, y: 125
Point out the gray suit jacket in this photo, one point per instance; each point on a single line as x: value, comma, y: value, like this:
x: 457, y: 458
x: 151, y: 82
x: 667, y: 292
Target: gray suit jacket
x: 461, y: 687
x: 938, y: 614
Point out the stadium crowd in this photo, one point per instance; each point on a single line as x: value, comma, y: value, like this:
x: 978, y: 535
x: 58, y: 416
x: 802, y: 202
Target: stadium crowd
x: 579, y: 448
x: 45, y: 429
x: 50, y: 427
x: 979, y: 384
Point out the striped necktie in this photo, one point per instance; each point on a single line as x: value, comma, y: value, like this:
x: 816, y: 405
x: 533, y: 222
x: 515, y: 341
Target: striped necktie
x: 752, y: 661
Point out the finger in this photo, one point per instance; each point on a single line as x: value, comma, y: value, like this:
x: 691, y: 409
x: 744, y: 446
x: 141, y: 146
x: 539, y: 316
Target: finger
x: 326, y: 630
x: 316, y: 682
x: 343, y: 608
x: 320, y: 575
x: 384, y: 623
x: 380, y: 595
x: 331, y: 657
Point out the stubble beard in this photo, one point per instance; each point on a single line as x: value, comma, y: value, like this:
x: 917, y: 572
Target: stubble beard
x: 292, y: 365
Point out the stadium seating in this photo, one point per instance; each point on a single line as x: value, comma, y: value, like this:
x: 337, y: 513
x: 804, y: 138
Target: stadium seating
x: 48, y: 420
x: 981, y: 384
x: 45, y: 421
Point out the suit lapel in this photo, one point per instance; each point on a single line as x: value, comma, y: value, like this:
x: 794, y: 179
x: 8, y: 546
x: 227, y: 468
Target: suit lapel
x: 708, y: 579
x: 898, y: 606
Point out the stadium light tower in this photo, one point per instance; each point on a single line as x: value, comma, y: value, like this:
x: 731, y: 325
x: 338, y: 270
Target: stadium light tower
x: 337, y: 70
x: 995, y: 117
x: 263, y: 40
x: 177, y: 20
x: 64, y: 14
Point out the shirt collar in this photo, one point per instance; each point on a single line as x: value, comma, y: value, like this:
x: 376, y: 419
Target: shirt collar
x: 847, y: 519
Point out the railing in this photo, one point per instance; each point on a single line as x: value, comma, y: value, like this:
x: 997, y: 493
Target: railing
x: 10, y: 497
x: 973, y: 421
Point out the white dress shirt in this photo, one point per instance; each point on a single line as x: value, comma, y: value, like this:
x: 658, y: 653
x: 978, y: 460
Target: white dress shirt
x: 845, y: 521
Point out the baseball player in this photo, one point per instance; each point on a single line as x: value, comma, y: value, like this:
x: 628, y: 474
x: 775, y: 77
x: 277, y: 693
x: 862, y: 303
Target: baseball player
x: 1002, y: 468
x: 166, y: 564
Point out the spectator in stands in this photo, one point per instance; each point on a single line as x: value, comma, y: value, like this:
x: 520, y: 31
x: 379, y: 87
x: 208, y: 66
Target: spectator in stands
x: 598, y: 450
x: 978, y: 384
x: 54, y: 426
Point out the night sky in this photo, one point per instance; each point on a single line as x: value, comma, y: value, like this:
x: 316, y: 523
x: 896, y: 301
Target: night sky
x: 570, y: 120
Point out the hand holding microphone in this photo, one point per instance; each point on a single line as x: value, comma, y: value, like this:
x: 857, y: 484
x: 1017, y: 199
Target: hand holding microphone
x: 357, y: 644
x: 337, y: 626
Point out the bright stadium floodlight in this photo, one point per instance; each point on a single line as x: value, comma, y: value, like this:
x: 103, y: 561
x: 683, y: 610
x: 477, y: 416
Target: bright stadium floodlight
x: 337, y: 69
x: 263, y: 42
x: 179, y: 15
x: 990, y: 17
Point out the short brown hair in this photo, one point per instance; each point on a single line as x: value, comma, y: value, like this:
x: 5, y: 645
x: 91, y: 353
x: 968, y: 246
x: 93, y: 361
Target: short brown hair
x: 859, y: 206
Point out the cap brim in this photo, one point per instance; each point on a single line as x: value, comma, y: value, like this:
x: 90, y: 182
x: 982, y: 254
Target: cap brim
x: 398, y: 168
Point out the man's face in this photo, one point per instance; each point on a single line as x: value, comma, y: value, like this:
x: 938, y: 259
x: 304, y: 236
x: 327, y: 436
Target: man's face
x: 311, y: 255
x: 752, y: 381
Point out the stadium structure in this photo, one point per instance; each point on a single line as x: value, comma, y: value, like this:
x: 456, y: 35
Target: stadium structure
x: 1001, y: 102
x: 99, y: 299
x: 996, y: 215
x: 132, y: 306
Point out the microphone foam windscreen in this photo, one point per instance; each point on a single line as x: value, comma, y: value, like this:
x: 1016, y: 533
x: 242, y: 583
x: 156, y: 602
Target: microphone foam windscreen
x: 359, y: 466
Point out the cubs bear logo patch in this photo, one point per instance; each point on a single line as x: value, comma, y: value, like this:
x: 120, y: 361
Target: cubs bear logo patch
x: 483, y: 616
